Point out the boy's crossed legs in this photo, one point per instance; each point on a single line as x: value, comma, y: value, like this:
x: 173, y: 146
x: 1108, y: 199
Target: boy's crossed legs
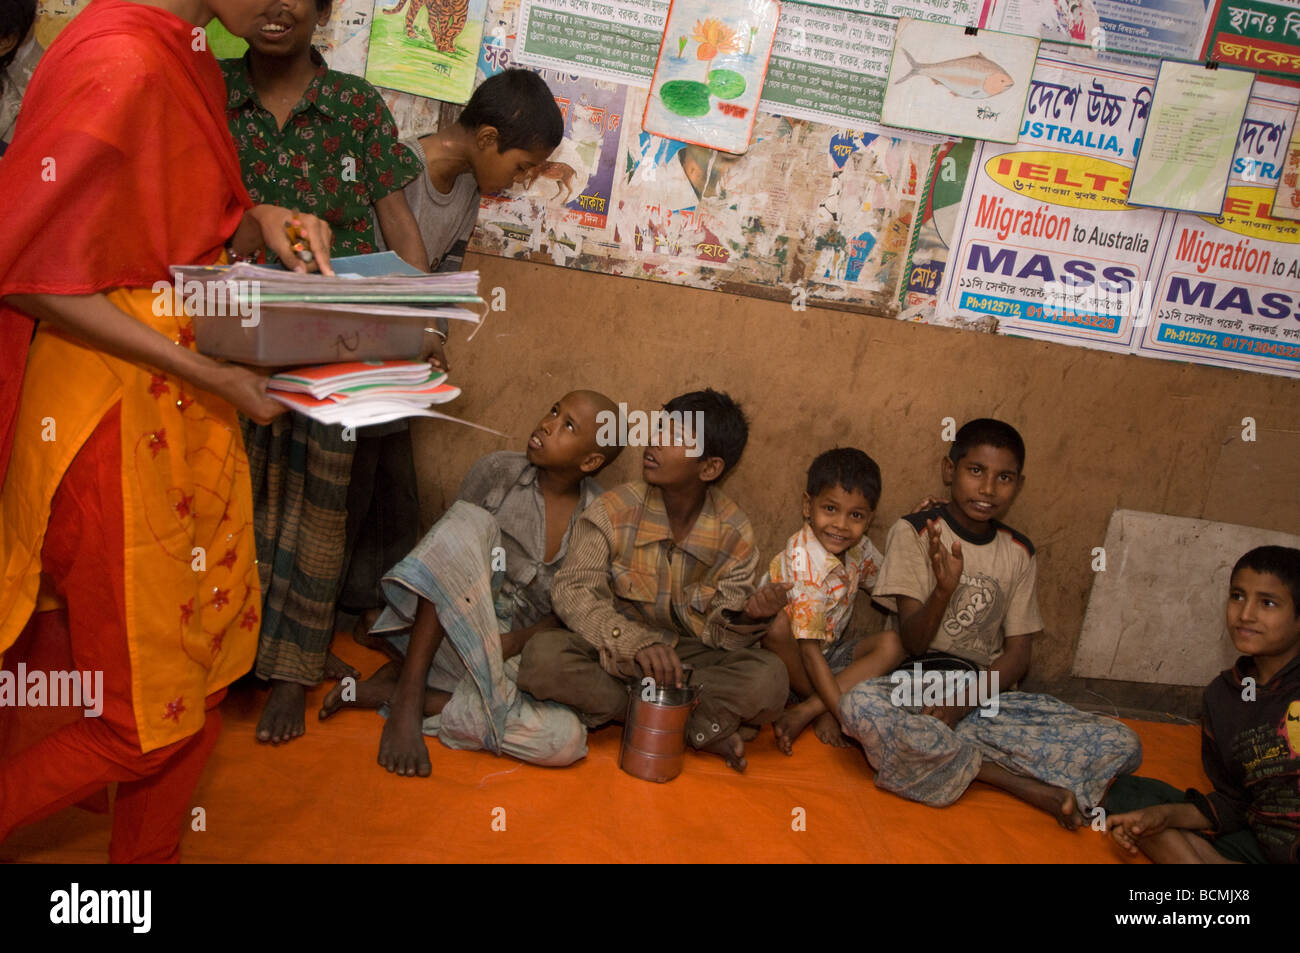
x: 401, y: 683
x: 411, y: 699
x: 1035, y: 747
x: 874, y: 655
x: 738, y: 687
x: 430, y: 673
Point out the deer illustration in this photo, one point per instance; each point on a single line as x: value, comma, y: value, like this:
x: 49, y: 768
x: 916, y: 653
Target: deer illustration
x: 560, y: 172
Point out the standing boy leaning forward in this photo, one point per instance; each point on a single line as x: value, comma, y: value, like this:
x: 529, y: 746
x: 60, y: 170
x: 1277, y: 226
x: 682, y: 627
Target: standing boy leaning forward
x: 660, y: 575
x: 828, y: 561
x: 508, y: 129
x: 465, y: 601
x: 965, y: 590
x: 1250, y: 739
x: 510, y: 125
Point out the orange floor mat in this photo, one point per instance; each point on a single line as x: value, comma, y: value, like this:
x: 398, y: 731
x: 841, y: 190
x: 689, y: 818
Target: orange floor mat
x: 322, y: 798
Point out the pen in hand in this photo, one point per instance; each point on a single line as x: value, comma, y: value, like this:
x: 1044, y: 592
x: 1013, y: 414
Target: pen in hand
x: 298, y: 239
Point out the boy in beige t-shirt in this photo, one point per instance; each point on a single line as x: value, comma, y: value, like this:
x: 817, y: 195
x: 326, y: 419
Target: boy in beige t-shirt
x: 995, y: 597
x: 962, y: 585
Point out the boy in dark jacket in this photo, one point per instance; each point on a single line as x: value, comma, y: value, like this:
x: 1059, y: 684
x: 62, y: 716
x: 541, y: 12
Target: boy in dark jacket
x: 1250, y: 743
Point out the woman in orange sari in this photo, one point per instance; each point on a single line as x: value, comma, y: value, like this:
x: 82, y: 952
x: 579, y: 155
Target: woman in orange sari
x: 126, y: 506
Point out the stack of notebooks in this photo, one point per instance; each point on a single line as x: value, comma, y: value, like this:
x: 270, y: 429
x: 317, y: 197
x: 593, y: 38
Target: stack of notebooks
x: 375, y: 307
x: 360, y: 393
x: 360, y: 332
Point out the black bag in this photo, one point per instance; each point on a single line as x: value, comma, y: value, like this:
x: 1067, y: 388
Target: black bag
x: 937, y: 662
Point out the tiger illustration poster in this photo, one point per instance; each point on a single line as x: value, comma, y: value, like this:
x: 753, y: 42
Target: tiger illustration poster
x: 426, y: 47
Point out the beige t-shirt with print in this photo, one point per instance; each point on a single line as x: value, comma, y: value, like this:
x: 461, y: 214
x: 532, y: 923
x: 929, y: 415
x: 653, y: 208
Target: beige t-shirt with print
x: 996, y: 597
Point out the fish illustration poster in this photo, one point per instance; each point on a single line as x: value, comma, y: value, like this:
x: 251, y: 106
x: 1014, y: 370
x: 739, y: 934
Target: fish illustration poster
x: 709, y: 75
x: 426, y: 47
x: 946, y: 80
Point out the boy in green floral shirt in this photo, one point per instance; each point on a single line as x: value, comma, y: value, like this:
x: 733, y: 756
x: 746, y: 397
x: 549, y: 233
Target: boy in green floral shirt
x: 324, y: 142
x: 320, y: 140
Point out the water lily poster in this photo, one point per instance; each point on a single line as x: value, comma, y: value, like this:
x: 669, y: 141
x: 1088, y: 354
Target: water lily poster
x: 958, y: 81
x: 710, y: 71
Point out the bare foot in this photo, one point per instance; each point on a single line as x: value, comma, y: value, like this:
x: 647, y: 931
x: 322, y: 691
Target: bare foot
x: 731, y: 749
x: 790, y: 725
x: 1048, y: 798
x: 336, y: 668
x: 827, y: 729
x: 401, y: 746
x: 747, y: 732
x: 370, y: 693
x: 1060, y: 804
x: 283, y: 716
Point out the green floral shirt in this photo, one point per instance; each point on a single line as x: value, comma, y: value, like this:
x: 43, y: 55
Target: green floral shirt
x: 337, y: 154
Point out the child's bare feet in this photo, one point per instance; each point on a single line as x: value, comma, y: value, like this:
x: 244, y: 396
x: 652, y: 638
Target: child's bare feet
x: 791, y: 724
x: 370, y: 693
x: 827, y: 729
x: 1059, y: 803
x: 336, y: 668
x: 283, y: 716
x: 731, y: 749
x: 402, y: 749
x: 1055, y: 801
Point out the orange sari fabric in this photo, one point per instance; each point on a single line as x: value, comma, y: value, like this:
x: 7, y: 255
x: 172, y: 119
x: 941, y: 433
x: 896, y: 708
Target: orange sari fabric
x: 123, y: 164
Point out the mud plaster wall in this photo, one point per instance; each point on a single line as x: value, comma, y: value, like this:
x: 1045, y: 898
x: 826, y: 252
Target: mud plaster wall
x: 1103, y: 431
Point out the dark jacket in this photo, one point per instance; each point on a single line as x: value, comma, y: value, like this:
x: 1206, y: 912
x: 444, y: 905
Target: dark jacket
x: 1251, y: 753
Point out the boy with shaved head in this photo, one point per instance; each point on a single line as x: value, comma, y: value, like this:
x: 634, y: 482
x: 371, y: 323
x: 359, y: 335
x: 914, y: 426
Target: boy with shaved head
x: 465, y: 601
